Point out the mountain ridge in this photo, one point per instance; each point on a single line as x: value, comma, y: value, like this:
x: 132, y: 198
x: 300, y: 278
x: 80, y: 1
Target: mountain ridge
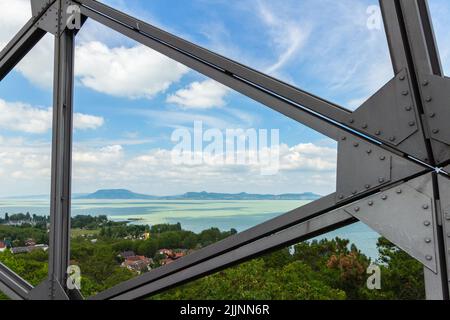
x: 124, y: 194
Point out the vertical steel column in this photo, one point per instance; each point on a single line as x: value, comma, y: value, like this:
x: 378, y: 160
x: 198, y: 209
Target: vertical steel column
x: 61, y: 156
x: 413, y: 47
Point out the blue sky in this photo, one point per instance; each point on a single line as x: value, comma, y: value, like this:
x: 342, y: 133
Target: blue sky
x: 129, y: 99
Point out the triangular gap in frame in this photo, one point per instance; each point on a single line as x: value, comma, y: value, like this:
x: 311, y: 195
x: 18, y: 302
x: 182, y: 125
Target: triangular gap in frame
x: 134, y: 199
x: 26, y: 100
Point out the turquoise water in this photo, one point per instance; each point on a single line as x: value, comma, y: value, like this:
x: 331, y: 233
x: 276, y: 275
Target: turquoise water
x: 194, y: 215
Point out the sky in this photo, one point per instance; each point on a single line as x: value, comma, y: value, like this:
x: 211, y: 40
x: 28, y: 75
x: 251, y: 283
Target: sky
x: 128, y: 99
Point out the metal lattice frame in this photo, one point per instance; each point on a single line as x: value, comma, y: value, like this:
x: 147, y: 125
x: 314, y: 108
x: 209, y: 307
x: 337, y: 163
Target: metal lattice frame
x: 393, y: 151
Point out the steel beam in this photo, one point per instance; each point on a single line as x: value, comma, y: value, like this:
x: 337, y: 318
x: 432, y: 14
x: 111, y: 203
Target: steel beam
x: 13, y: 285
x: 59, y: 252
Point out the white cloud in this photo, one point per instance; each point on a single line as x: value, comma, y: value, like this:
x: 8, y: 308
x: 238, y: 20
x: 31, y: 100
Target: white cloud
x: 85, y: 121
x: 200, y: 95
x: 13, y: 15
x: 18, y: 116
x: 287, y: 36
x: 136, y: 72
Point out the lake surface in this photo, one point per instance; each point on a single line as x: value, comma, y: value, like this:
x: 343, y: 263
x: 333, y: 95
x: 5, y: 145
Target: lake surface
x: 194, y: 215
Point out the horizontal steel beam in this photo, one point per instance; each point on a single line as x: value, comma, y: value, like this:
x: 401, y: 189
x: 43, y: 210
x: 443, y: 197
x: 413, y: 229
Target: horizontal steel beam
x: 13, y: 285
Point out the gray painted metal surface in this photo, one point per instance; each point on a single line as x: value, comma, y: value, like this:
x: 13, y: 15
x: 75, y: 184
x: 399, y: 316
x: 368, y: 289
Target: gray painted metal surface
x: 389, y: 150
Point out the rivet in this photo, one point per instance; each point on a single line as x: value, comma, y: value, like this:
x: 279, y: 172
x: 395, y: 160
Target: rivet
x: 381, y: 180
x: 405, y: 93
x: 382, y: 158
x: 392, y: 139
x: 364, y: 126
x: 408, y: 108
x: 356, y: 144
x: 412, y: 123
x: 432, y: 115
x: 399, y: 191
x: 384, y: 197
x: 344, y: 138
x: 425, y: 207
x: 369, y: 151
x: 425, y: 83
x: 370, y: 203
x: 352, y: 120
x: 428, y: 99
x: 429, y: 258
x: 435, y: 131
x: 402, y: 77
x: 367, y: 186
x: 357, y: 209
x: 341, y: 196
x: 378, y: 132
x: 427, y: 223
x: 448, y: 235
x: 355, y: 192
x: 447, y: 217
x: 427, y: 240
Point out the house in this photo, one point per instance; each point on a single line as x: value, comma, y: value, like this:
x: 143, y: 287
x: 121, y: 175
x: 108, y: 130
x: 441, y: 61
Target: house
x: 17, y: 250
x: 2, y: 246
x: 30, y: 243
x: 179, y: 255
x: 137, y: 263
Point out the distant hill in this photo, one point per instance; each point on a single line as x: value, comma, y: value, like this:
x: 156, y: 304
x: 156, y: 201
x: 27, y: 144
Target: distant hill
x: 127, y: 194
x: 120, y: 194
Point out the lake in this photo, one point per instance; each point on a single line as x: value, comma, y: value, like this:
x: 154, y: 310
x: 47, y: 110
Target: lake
x: 194, y: 215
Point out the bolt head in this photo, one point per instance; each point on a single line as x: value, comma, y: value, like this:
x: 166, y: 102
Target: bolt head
x: 384, y: 197
x: 370, y: 203
x: 435, y: 131
x: 392, y: 139
x: 429, y: 258
x: 429, y: 99
x: 432, y: 115
x: 352, y: 121
x: 356, y: 144
x: 369, y: 151
x: 408, y: 108
x: 405, y: 93
x: 344, y: 138
x: 357, y: 209
x: 364, y: 126
x: 378, y: 132
x: 412, y: 123
x: 447, y: 217
x: 367, y: 186
x: 399, y: 191
x: 402, y: 77
x: 341, y: 196
x: 381, y: 180
x: 427, y: 223
x: 427, y: 240
x: 382, y: 158
x: 425, y: 83
x: 425, y: 207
